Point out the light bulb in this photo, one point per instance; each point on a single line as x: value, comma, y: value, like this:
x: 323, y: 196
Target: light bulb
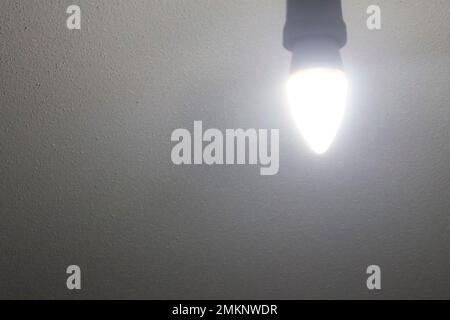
x: 317, y: 99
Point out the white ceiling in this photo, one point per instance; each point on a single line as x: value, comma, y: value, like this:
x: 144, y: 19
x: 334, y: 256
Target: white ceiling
x: 86, y: 119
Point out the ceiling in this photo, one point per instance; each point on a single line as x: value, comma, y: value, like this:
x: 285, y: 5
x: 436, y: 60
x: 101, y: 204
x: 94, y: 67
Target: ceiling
x: 86, y: 119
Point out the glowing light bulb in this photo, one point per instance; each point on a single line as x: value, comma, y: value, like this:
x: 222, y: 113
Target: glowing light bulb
x: 317, y: 99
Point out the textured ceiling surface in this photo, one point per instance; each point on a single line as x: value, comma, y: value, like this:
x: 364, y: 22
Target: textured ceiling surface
x: 85, y: 125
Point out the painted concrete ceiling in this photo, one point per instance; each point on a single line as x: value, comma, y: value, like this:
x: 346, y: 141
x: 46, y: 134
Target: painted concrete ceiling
x: 86, y: 120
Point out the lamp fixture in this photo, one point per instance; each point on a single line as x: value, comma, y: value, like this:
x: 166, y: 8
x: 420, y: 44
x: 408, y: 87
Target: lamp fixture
x: 317, y: 88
